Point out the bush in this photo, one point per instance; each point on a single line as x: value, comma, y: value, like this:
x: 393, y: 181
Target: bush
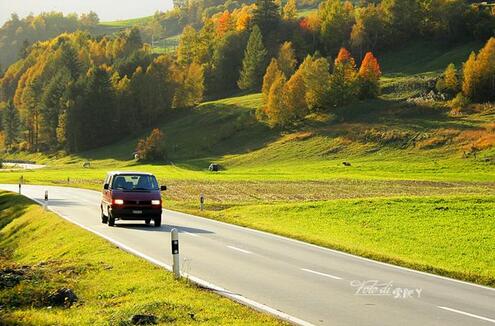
x: 459, y: 103
x: 152, y: 148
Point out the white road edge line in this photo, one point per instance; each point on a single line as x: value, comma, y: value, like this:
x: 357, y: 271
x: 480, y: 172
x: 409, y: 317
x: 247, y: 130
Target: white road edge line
x: 239, y: 249
x: 309, y: 244
x: 467, y: 314
x: 321, y: 274
x: 332, y: 250
x: 191, y: 234
x: 217, y: 289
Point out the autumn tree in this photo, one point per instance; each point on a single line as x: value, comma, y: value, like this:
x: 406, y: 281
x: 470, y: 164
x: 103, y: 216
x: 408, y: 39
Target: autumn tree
x: 187, y: 50
x: 272, y: 72
x: 479, y: 74
x: 336, y: 21
x: 191, y: 87
x: 253, y: 64
x: 294, y: 98
x: 470, y: 77
x: 485, y: 65
x: 287, y: 59
x: 343, y: 82
x: 290, y: 10
x: 152, y: 148
x: 449, y: 82
x: 224, y: 23
x: 316, y: 76
x: 369, y: 77
x: 275, y: 109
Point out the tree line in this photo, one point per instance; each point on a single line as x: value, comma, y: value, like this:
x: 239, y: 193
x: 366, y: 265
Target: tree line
x: 16, y: 35
x: 318, y: 85
x: 474, y: 82
x: 76, y: 92
x: 378, y: 26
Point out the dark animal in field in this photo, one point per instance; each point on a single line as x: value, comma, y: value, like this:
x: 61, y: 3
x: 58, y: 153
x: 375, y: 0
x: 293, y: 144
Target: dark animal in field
x: 346, y: 163
x: 214, y: 167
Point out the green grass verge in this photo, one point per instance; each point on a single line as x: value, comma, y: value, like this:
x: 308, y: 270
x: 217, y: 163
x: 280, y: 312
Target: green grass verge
x: 451, y: 235
x: 111, y: 285
x: 128, y: 22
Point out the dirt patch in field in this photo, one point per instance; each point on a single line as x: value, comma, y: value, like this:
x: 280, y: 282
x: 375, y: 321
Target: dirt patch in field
x: 273, y: 191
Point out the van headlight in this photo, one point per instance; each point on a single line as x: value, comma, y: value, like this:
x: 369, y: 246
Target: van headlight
x: 156, y: 202
x: 118, y: 201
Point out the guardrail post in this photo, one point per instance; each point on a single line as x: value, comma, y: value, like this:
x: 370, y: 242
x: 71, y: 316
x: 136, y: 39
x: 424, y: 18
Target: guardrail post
x: 201, y: 201
x: 175, y: 252
x: 46, y: 200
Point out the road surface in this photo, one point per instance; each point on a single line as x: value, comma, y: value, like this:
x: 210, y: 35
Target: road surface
x: 313, y: 284
x: 22, y: 166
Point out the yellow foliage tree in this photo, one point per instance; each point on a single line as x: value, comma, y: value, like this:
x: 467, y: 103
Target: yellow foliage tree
x: 287, y: 59
x: 275, y: 111
x: 294, y: 97
x: 272, y: 72
x: 290, y: 10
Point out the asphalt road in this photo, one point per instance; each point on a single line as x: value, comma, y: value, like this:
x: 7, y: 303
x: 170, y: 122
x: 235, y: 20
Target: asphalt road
x: 313, y: 284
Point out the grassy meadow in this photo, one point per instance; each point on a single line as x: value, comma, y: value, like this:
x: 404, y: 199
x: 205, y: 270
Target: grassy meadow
x: 412, y: 174
x: 48, y: 253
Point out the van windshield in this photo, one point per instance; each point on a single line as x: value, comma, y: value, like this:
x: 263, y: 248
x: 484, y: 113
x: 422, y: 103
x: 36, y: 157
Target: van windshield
x: 134, y: 182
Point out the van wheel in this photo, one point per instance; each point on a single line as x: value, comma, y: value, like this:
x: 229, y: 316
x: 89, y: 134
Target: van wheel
x: 104, y: 218
x: 147, y: 221
x: 158, y: 221
x: 111, y: 220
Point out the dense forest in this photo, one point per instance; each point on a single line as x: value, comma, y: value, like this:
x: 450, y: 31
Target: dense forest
x: 16, y: 35
x: 78, y: 91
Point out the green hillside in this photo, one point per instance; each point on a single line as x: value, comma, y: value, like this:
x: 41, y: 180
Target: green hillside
x: 410, y: 154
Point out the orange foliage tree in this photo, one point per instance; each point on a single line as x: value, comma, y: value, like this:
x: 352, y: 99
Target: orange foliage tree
x: 369, y: 76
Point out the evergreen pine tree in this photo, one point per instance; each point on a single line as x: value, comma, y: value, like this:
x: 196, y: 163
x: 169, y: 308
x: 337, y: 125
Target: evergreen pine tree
x: 11, y: 124
x: 253, y: 64
x: 266, y: 15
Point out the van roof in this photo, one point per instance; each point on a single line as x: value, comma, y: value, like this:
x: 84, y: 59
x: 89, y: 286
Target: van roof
x: 128, y: 172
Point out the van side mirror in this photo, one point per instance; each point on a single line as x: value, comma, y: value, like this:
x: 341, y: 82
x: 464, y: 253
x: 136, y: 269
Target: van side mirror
x: 106, y: 186
x: 163, y: 188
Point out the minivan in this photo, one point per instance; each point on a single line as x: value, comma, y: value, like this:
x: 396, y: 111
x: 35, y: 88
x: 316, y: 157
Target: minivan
x: 131, y: 196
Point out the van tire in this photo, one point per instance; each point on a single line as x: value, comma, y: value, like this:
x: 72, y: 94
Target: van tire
x: 111, y: 221
x: 147, y: 221
x: 104, y: 218
x: 158, y: 221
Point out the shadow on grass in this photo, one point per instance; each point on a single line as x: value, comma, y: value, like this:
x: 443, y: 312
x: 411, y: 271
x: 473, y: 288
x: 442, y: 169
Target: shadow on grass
x: 12, y: 207
x: 197, y: 136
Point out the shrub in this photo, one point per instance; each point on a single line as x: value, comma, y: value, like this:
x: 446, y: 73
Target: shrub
x: 152, y: 148
x: 459, y: 103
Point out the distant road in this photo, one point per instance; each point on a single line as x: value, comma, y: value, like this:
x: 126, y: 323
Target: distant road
x: 315, y: 285
x: 23, y: 166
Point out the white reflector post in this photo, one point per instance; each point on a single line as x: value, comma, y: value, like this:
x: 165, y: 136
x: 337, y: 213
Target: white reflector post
x: 175, y: 252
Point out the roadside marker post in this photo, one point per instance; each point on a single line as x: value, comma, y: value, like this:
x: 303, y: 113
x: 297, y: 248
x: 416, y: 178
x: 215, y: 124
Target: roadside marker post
x: 175, y: 252
x: 201, y: 201
x: 46, y: 199
x: 21, y: 180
